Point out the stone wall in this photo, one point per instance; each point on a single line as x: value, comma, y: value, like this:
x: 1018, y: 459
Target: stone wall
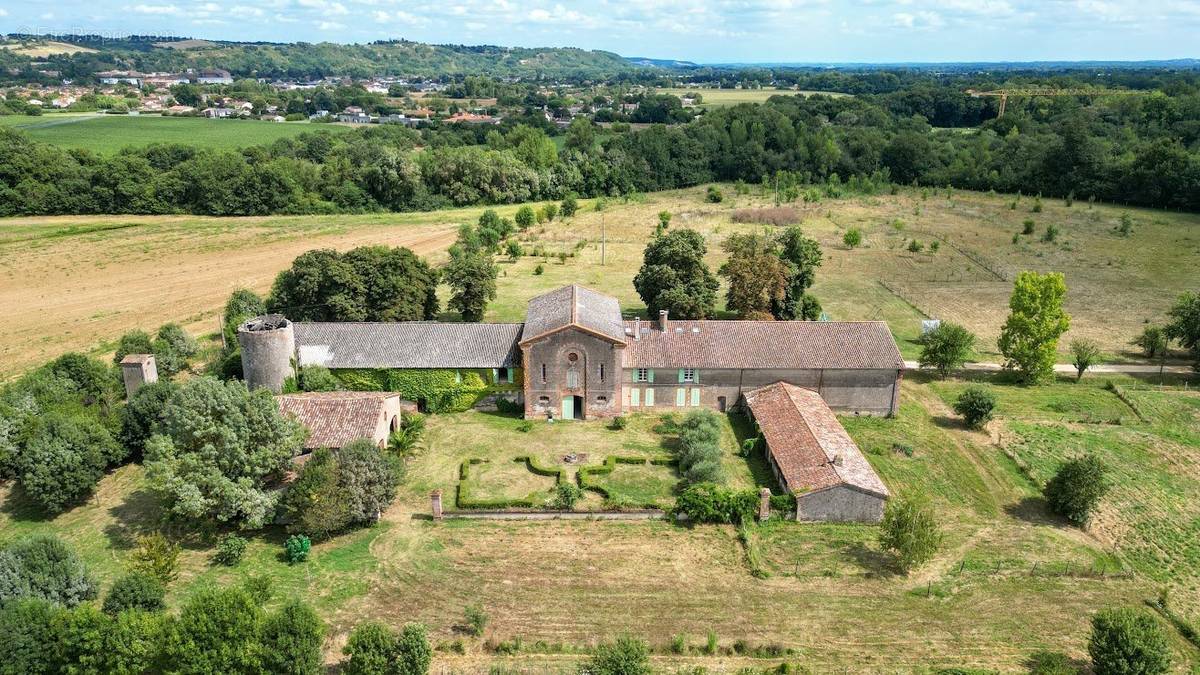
x: 840, y: 504
x: 594, y: 374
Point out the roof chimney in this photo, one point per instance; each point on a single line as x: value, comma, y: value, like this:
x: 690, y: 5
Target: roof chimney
x: 662, y: 320
x: 637, y: 328
x: 837, y: 460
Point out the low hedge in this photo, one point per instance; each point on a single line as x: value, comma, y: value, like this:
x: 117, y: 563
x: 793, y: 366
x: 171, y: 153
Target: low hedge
x: 588, y: 473
x: 531, y: 463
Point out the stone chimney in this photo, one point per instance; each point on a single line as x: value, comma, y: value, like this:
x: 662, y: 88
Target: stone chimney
x: 637, y: 328
x: 435, y: 499
x: 764, y: 505
x: 136, y: 370
x: 837, y: 459
x: 663, y: 324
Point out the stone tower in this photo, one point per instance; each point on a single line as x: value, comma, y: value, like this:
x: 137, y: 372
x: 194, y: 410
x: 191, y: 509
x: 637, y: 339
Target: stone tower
x: 268, y: 344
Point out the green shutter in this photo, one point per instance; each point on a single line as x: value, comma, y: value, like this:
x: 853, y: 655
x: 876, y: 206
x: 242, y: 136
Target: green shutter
x: 568, y: 408
x: 681, y: 375
x: 634, y: 396
x: 680, y: 396
x: 650, y: 374
x: 495, y: 376
x: 695, y: 396
x: 649, y: 397
x: 510, y: 375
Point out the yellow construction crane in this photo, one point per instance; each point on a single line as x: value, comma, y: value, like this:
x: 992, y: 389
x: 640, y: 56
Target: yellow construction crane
x: 1003, y: 94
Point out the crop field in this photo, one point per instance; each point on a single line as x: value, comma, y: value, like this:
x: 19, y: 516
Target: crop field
x: 42, y: 49
x: 92, y: 277
x: 721, y: 98
x: 106, y: 134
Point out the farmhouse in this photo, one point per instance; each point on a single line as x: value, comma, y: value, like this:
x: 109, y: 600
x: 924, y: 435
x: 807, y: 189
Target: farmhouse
x: 575, y: 357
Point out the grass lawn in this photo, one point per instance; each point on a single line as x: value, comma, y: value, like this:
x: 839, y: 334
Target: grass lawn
x: 106, y: 134
x: 720, y: 98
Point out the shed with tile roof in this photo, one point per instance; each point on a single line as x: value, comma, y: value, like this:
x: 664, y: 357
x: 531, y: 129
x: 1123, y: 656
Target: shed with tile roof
x: 335, y: 418
x: 814, y: 458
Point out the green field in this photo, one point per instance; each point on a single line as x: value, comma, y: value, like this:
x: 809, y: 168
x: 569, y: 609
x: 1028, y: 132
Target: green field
x: 106, y: 134
x: 718, y: 98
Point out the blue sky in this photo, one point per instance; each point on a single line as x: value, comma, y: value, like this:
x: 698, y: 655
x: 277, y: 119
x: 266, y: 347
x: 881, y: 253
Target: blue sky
x: 697, y: 30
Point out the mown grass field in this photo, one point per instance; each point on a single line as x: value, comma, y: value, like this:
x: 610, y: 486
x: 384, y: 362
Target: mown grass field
x: 107, y: 134
x: 80, y: 281
x: 1010, y: 579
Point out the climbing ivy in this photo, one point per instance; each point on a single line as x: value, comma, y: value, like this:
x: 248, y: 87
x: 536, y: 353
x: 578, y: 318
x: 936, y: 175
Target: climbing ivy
x: 443, y: 389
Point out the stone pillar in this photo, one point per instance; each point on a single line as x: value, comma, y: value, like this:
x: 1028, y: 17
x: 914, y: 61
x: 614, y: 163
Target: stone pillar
x: 435, y: 499
x: 764, y: 505
x: 136, y: 370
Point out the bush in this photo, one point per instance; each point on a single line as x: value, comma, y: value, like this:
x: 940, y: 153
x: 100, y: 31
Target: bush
x: 230, y: 550
x: 370, y: 647
x: 909, y: 531
x: 1051, y: 663
x: 946, y: 348
x: 317, y: 378
x: 713, y: 195
x: 539, y: 270
x: 710, y: 503
x: 1028, y: 226
x: 975, y: 404
x: 1125, y: 641
x: 915, y: 246
x: 525, y: 217
x: 217, y: 631
x: 340, y: 489
x: 135, y: 591
x: 569, y: 205
x: 44, y: 568
x: 31, y: 630
x: 1050, y: 234
x: 143, y: 413
x: 156, y: 556
x: 292, y: 639
x: 1152, y: 341
x: 258, y: 587
x: 619, y: 423
x: 1077, y: 488
x: 852, y: 238
x: 296, y: 548
x: 699, y: 450
x: 626, y: 656
x: 65, y: 460
x: 476, y: 620
x: 133, y: 342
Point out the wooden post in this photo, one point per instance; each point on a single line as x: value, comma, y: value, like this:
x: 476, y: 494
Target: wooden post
x: 436, y: 502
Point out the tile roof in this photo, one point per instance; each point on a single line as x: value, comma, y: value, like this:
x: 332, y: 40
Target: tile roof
x: 334, y: 418
x: 408, y: 345
x: 763, y: 344
x: 577, y: 306
x: 809, y: 445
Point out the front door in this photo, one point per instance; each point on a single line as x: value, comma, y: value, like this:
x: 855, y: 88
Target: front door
x: 568, y: 408
x: 720, y: 404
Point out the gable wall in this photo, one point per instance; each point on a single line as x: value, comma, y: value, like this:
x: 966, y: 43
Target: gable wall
x: 552, y: 351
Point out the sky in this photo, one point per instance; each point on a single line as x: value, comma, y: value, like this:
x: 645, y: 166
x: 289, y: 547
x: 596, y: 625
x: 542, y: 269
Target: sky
x: 704, y: 31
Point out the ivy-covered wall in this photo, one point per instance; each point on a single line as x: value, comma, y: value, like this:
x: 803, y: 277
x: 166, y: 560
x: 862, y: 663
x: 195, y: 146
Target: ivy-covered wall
x: 443, y: 389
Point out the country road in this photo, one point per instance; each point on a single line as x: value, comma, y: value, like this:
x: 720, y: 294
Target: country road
x: 1115, y: 368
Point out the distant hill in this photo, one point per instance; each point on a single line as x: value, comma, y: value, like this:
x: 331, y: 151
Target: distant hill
x: 646, y: 62
x: 304, y: 60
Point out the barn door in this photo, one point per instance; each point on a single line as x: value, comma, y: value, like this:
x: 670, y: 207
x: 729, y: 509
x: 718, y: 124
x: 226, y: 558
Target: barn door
x: 568, y: 408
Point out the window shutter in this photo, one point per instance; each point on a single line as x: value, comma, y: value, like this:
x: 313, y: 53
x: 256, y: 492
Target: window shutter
x: 681, y: 375
x: 650, y: 375
x: 680, y: 396
x: 649, y: 397
x: 634, y: 396
x: 495, y: 376
x: 510, y: 375
x: 695, y: 396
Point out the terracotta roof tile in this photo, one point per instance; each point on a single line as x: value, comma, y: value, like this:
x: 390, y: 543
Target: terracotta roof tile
x: 336, y: 418
x: 809, y: 445
x: 763, y: 344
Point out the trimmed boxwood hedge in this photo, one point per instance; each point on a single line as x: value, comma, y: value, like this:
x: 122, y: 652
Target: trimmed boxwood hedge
x: 531, y: 463
x: 587, y: 474
x: 442, y: 389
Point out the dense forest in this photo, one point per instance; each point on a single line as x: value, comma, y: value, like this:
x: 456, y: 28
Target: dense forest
x: 1134, y: 149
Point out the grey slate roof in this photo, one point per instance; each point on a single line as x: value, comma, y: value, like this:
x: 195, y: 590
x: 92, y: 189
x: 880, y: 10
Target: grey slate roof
x: 763, y: 344
x: 408, y: 345
x: 574, y: 305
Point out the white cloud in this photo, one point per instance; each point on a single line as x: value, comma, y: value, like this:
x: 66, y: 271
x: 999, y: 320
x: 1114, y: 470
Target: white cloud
x: 157, y: 10
x: 3, y: 12
x: 922, y: 20
x: 330, y: 25
x: 246, y: 11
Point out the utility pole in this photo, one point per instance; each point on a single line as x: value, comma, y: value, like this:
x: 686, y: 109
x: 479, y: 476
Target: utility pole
x: 602, y: 240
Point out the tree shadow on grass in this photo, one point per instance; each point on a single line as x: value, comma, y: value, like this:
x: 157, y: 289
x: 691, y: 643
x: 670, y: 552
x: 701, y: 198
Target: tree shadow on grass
x: 876, y: 564
x: 20, y: 507
x: 138, y: 515
x: 1035, y: 510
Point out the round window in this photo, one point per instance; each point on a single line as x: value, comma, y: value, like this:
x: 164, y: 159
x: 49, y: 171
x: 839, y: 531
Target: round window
x: 572, y: 357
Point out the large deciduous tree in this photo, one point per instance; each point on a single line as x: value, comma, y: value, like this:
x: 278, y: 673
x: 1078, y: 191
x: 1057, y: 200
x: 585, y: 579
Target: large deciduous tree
x: 218, y: 444
x: 1029, y: 338
x: 802, y: 256
x: 674, y: 276
x: 1185, y: 324
x: 370, y: 283
x: 756, y: 275
x: 471, y: 275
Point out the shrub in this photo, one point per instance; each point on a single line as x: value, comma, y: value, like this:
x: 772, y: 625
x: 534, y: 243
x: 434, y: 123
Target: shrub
x: 946, y: 347
x: 1028, y: 226
x: 565, y: 496
x: 525, y: 217
x: 626, y: 656
x: 664, y: 219
x: 370, y: 648
x: 915, y: 246
x: 513, y: 249
x: 317, y: 378
x: 291, y: 640
x: 1125, y: 641
x: 476, y: 620
x: 1084, y: 353
x: 133, y: 342
x: 156, y: 556
x: 296, y: 548
x: 1050, y: 234
x: 1126, y: 226
x: 852, y: 238
x: 975, y: 404
x: 699, y: 450
x: 570, y: 204
x: 539, y: 270
x: 909, y: 531
x: 258, y: 587
x: 1152, y: 341
x: 44, y: 568
x: 217, y: 631
x: 31, y: 630
x: 713, y: 195
x: 619, y: 423
x: 230, y: 550
x: 143, y: 413
x: 711, y: 643
x: 1077, y: 487
x: 1051, y: 663
x: 65, y: 460
x: 135, y: 591
x: 710, y: 503
x: 1037, y: 205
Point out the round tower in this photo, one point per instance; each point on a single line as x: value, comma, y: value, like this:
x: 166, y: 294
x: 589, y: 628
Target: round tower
x: 268, y: 344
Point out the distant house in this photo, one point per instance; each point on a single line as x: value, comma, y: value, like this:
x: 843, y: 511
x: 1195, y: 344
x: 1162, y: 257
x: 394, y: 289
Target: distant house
x: 216, y: 76
x: 400, y: 118
x: 354, y: 117
x: 273, y: 118
x: 471, y: 118
x: 179, y: 110
x: 336, y: 418
x: 63, y: 101
x: 119, y: 76
x: 219, y: 112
